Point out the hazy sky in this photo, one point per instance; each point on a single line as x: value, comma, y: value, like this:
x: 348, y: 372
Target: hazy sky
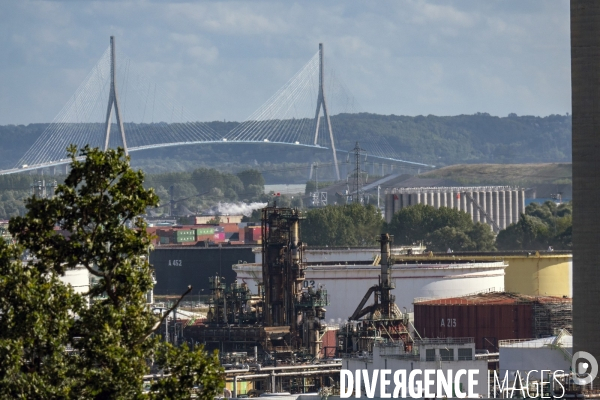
x: 224, y: 59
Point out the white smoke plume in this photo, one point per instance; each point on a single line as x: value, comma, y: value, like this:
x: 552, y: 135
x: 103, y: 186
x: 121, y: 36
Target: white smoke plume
x: 234, y: 209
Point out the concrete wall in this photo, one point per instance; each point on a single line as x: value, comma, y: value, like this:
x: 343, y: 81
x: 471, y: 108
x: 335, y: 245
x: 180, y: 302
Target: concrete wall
x: 585, y: 87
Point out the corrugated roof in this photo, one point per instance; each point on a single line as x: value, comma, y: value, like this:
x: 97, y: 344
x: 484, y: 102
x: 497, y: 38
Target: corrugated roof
x: 493, y: 298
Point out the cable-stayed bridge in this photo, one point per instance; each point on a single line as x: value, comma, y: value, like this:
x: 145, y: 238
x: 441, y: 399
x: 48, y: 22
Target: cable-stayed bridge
x: 116, y: 106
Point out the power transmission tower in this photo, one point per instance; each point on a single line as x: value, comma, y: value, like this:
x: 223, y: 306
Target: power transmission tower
x: 358, y: 152
x: 322, y: 103
x: 113, y: 100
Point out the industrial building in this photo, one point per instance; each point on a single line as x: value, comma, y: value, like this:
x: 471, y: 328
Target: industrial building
x: 284, y: 319
x: 492, y: 317
x: 524, y: 355
x: 442, y: 355
x: 498, y: 206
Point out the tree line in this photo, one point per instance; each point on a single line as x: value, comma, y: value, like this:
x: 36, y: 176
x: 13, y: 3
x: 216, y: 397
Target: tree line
x: 540, y: 227
x: 477, y: 138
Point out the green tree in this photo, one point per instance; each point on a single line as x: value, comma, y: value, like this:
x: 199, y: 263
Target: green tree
x: 541, y: 226
x: 413, y: 224
x: 252, y: 177
x: 448, y: 237
x: 530, y: 233
x: 206, y: 179
x: 342, y: 225
x: 110, y: 328
x: 440, y: 229
x: 482, y: 237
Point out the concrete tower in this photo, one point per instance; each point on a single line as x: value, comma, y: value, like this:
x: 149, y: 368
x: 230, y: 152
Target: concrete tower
x: 585, y: 84
x: 322, y: 103
x: 113, y: 100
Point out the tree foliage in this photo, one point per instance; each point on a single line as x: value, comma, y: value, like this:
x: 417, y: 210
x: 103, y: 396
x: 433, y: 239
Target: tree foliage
x: 342, y: 225
x: 542, y: 226
x: 110, y: 327
x: 440, y: 229
x: 251, y: 177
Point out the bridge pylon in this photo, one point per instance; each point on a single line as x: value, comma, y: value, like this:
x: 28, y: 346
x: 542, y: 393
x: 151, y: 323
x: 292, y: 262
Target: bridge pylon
x: 113, y: 102
x: 322, y: 103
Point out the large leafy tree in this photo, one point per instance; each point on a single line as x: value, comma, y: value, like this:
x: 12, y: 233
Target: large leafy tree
x: 251, y: 177
x: 342, y: 225
x: 108, y: 330
x: 541, y: 226
x: 440, y: 229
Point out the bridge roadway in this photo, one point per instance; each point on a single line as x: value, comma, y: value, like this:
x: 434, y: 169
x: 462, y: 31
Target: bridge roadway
x: 224, y: 141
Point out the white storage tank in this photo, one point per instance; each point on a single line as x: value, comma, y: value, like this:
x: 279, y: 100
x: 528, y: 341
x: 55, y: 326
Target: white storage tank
x: 347, y: 284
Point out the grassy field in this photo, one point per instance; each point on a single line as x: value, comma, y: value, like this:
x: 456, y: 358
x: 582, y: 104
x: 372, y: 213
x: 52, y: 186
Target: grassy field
x: 505, y: 174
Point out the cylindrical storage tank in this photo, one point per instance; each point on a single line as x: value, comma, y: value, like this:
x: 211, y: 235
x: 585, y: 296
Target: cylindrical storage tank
x: 425, y: 198
x: 482, y: 204
x: 479, y: 317
x: 430, y: 198
x: 463, y: 203
x: 475, y: 212
x: 389, y: 207
x: 414, y: 199
x: 443, y: 199
x: 346, y: 284
x: 436, y: 199
x: 501, y: 209
x: 508, y: 207
x: 180, y: 266
x: 419, y: 197
x: 495, y: 207
x: 397, y: 202
x: 515, y: 205
x: 405, y: 200
x: 489, y: 207
x: 549, y: 273
x: 521, y: 201
x: 450, y: 199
